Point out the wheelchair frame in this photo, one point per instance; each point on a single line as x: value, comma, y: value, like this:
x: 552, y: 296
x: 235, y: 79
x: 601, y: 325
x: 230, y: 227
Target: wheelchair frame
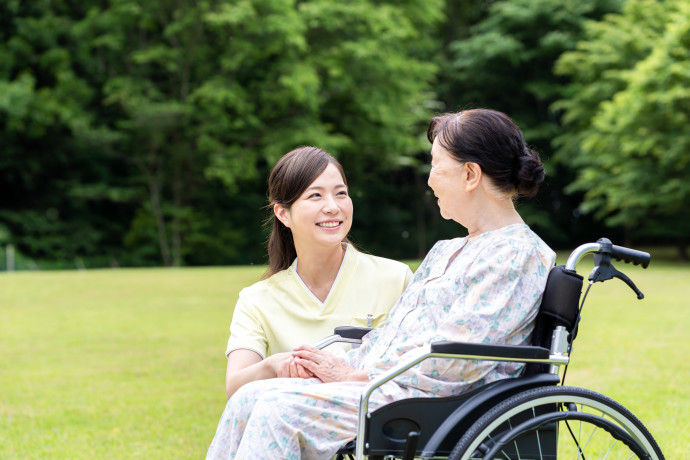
x: 479, y: 416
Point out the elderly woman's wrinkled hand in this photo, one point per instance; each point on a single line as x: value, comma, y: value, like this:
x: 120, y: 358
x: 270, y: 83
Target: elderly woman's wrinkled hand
x: 325, y: 366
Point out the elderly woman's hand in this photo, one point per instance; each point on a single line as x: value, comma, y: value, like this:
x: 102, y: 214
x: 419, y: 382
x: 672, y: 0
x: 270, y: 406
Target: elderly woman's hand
x: 325, y: 366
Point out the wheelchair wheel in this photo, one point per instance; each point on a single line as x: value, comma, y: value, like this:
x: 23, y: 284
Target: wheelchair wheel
x: 557, y: 423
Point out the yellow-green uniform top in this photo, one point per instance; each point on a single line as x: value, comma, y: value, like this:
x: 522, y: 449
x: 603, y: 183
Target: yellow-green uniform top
x: 280, y: 313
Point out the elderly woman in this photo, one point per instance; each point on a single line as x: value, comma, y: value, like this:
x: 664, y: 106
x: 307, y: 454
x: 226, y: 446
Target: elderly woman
x: 485, y: 287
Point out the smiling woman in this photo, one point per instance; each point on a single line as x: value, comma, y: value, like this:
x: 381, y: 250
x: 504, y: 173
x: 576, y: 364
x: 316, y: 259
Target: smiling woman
x: 316, y: 279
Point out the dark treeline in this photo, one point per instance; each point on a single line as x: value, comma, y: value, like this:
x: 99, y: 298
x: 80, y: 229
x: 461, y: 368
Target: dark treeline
x: 141, y: 133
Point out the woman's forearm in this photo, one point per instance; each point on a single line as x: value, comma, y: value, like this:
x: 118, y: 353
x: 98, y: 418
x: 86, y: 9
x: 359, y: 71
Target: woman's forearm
x: 256, y: 371
x: 358, y: 376
x: 245, y: 366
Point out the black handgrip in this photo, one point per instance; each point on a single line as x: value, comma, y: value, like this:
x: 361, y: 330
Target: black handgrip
x: 630, y: 255
x: 351, y: 332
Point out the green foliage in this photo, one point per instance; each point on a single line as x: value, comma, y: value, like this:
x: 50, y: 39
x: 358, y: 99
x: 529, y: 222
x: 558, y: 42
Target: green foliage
x: 349, y: 77
x: 141, y: 133
x: 505, y: 62
x: 154, y: 107
x: 626, y: 114
x: 44, y: 102
x: 507, y: 59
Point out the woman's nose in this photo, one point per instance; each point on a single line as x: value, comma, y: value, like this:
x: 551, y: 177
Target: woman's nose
x: 330, y: 205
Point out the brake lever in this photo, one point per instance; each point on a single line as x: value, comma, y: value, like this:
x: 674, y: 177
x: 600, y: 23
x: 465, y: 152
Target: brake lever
x: 604, y: 270
x: 628, y: 281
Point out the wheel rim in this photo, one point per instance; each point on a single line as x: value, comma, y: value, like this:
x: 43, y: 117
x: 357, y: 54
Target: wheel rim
x: 584, y: 439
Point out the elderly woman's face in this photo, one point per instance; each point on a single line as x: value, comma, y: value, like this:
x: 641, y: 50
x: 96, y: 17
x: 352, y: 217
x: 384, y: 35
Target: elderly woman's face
x: 445, y: 179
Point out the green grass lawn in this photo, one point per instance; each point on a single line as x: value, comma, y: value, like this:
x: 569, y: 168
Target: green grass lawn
x: 129, y: 363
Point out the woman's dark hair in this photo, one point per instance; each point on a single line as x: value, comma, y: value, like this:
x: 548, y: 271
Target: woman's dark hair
x: 493, y: 141
x: 289, y: 178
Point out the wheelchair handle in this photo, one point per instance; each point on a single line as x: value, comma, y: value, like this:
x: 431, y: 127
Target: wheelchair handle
x: 630, y: 255
x: 604, y: 246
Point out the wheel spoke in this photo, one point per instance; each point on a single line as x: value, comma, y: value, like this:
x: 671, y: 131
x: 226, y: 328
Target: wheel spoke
x: 589, y: 439
x: 579, y: 439
x: 612, y: 446
x: 517, y: 450
x: 541, y: 455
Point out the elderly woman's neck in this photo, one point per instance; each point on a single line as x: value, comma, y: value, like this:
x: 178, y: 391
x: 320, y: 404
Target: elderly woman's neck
x: 492, y: 215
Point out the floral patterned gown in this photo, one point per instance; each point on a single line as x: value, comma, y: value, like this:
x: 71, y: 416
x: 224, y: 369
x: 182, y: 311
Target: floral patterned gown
x: 484, y: 289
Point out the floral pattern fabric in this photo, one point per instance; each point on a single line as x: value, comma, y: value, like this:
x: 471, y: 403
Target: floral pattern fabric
x: 484, y: 289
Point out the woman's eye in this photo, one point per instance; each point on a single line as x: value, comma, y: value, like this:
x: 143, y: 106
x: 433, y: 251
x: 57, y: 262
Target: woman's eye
x: 343, y: 193
x: 314, y: 195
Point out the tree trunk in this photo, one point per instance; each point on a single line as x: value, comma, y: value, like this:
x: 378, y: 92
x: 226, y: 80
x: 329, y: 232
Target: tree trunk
x: 155, y: 193
x: 682, y: 247
x: 627, y: 236
x: 176, y: 231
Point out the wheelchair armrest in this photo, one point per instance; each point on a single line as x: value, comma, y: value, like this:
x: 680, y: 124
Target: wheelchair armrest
x: 490, y: 351
x: 347, y: 334
x: 351, y: 332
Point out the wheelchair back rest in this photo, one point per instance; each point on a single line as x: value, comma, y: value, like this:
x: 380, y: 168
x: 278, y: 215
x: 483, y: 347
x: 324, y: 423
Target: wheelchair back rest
x: 559, y: 305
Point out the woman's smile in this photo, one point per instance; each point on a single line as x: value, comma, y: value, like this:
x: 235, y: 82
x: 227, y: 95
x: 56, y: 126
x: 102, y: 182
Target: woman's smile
x: 330, y: 225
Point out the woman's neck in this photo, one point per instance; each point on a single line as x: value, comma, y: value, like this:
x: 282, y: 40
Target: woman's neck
x: 318, y: 267
x: 492, y: 214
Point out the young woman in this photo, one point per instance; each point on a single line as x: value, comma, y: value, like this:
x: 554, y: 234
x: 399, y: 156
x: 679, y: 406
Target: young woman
x: 316, y: 279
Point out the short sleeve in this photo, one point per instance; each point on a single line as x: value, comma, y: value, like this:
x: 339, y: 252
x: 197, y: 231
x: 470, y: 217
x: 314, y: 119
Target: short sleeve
x: 246, y: 331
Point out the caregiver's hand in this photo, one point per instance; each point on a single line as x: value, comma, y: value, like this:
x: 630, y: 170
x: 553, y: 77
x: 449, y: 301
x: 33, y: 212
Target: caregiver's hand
x: 325, y: 366
x: 288, y: 368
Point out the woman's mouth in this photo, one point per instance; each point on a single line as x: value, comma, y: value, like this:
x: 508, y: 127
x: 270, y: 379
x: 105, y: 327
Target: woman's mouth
x: 331, y: 224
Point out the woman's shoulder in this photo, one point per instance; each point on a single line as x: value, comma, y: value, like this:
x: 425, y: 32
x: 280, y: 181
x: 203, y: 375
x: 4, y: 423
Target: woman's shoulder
x: 517, y: 239
x: 443, y: 246
x: 267, y: 286
x: 525, y: 237
x: 379, y: 264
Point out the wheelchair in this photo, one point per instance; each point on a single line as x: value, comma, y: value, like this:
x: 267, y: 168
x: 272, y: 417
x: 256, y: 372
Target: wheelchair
x: 530, y: 417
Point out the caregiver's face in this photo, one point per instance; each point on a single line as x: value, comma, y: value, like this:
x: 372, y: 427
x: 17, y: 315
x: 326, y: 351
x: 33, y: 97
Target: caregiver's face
x: 446, y: 180
x: 322, y: 215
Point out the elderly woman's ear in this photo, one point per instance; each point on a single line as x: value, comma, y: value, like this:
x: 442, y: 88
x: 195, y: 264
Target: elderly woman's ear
x: 472, y: 174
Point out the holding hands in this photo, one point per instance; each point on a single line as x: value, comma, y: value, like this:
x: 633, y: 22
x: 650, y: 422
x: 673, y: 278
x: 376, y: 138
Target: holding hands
x: 309, y: 362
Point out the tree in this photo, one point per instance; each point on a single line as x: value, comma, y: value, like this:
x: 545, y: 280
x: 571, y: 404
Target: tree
x: 43, y: 103
x: 351, y: 77
x: 170, y: 114
x: 627, y: 116
x: 505, y: 62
